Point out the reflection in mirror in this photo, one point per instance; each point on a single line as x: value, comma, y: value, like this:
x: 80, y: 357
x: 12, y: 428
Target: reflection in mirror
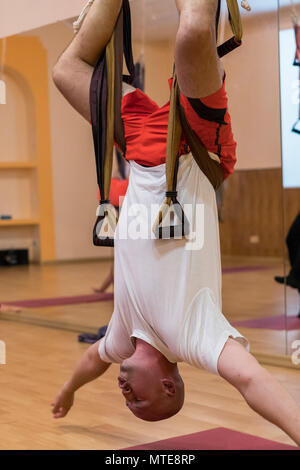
x: 289, y: 41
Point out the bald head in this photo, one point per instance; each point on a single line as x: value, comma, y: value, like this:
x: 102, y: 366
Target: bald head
x: 160, y: 404
x: 151, y: 385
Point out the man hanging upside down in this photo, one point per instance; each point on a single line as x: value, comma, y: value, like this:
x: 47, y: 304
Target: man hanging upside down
x: 168, y: 297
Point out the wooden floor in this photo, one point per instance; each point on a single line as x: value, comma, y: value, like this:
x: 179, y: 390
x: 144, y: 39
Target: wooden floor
x: 40, y: 359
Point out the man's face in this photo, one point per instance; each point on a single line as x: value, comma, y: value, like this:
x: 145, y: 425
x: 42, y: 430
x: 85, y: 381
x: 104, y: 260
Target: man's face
x: 142, y: 390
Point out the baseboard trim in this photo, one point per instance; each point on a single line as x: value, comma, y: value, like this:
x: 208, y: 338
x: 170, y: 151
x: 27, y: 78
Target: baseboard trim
x: 43, y: 322
x: 276, y: 360
x: 77, y: 261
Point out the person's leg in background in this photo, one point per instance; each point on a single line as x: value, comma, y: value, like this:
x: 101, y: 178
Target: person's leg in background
x: 293, y: 245
x: 9, y: 309
x: 108, y: 281
x: 73, y: 71
x: 260, y: 390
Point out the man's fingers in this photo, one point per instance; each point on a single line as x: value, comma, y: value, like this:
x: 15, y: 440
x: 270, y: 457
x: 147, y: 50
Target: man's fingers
x: 62, y: 413
x: 56, y: 407
x: 61, y: 405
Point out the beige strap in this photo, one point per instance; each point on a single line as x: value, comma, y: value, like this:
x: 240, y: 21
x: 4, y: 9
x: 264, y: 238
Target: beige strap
x: 235, y: 19
x: 77, y: 24
x: 173, y: 143
x: 110, y: 60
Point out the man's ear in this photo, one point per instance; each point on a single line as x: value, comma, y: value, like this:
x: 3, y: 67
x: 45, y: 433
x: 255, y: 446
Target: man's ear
x: 168, y: 386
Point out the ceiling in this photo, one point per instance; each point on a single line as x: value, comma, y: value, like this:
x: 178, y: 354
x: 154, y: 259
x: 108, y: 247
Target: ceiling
x: 18, y: 16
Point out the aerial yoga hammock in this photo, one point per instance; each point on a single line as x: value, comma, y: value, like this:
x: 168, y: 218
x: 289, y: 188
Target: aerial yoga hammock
x: 107, y: 125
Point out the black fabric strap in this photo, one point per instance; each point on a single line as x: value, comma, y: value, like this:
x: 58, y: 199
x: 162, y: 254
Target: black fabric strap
x: 171, y: 194
x: 98, y: 106
x: 128, y: 43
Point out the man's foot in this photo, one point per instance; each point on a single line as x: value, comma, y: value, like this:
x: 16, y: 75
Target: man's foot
x: 280, y: 279
x: 106, y: 284
x: 289, y: 281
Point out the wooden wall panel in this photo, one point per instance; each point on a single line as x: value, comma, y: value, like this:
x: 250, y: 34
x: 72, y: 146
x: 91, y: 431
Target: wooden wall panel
x: 253, y: 207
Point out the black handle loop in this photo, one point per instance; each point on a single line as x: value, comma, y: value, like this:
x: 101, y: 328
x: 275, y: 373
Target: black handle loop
x: 296, y: 127
x: 228, y: 46
x: 173, y: 231
x: 106, y: 214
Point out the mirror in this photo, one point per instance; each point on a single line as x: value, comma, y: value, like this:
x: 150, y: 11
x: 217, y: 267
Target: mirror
x: 289, y: 42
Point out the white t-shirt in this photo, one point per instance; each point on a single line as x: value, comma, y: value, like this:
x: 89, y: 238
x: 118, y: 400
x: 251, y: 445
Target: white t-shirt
x: 166, y: 293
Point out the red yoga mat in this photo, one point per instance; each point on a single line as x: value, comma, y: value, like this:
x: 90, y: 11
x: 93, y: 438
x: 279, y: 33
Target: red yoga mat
x: 279, y: 322
x: 215, y: 439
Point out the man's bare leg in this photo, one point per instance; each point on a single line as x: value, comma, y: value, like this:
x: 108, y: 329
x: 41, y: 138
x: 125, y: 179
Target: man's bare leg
x: 73, y: 71
x: 260, y: 390
x: 198, y: 67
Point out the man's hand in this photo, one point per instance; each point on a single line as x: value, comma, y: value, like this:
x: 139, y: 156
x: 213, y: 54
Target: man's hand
x: 63, y: 402
x: 89, y: 368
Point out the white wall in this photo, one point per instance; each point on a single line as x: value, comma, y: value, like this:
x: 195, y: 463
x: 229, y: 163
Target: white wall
x: 254, y: 94
x: 18, y: 16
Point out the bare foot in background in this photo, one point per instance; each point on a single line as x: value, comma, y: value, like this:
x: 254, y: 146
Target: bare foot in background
x: 9, y: 309
x: 105, y: 285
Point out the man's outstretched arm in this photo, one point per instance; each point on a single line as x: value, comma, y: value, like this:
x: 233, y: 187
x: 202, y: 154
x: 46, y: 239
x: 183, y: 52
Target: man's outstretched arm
x: 89, y: 368
x: 73, y: 71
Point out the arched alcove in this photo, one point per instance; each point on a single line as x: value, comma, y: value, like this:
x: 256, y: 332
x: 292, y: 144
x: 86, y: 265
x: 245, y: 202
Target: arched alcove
x: 25, y: 156
x: 17, y: 120
x: 18, y: 146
